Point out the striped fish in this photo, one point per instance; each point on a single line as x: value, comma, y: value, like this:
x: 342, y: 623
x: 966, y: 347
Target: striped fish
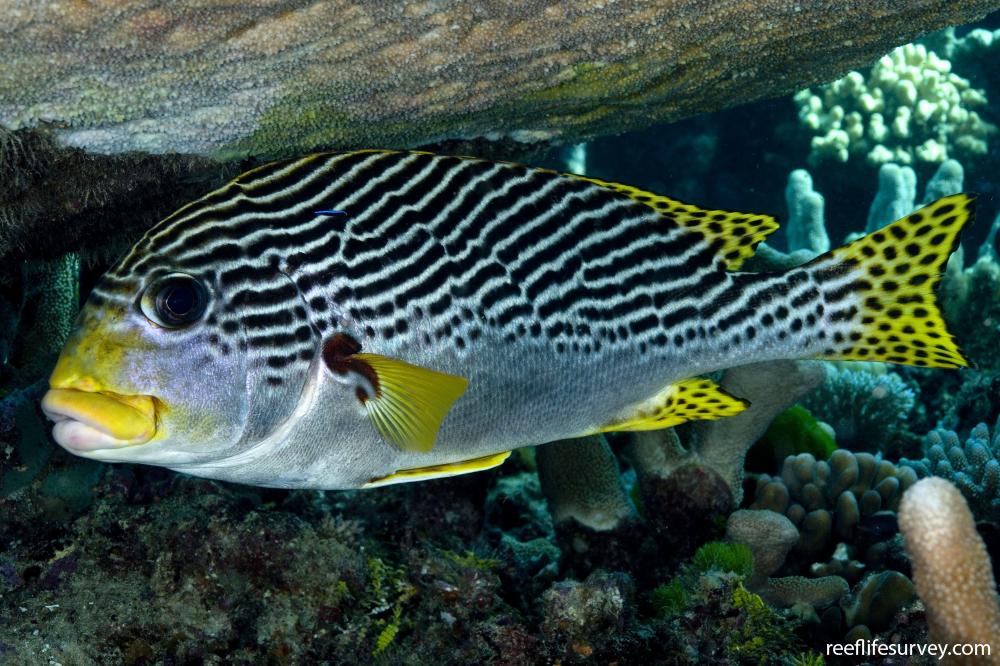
x: 362, y: 318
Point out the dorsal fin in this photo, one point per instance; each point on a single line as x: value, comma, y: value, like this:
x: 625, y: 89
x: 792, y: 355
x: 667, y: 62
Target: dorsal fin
x: 738, y: 233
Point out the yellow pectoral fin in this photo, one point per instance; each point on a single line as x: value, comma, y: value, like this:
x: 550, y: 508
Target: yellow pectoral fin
x: 410, y: 402
x: 439, y: 471
x: 694, y: 399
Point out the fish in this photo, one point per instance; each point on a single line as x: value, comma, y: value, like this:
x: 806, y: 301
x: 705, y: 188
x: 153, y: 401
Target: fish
x: 363, y: 318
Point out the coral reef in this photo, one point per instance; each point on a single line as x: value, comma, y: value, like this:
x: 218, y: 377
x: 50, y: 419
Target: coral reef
x: 865, y: 404
x: 910, y: 108
x: 974, y: 467
x: 629, y: 548
x: 722, y: 445
x: 806, y: 227
x: 951, y: 567
x: 580, y: 479
x: 849, y: 499
x: 269, y: 78
x: 245, y: 578
x: 707, y: 600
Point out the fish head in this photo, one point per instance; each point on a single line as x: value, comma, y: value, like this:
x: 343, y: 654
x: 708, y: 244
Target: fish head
x: 151, y: 374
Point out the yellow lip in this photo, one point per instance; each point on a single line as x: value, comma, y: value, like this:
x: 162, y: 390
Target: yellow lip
x: 131, y: 419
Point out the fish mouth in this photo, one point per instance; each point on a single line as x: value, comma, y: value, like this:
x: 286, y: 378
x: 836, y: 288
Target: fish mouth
x: 92, y: 420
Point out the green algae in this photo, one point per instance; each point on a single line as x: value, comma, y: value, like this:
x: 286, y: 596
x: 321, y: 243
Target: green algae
x: 792, y: 432
x: 762, y: 635
x: 722, y: 556
x: 669, y: 599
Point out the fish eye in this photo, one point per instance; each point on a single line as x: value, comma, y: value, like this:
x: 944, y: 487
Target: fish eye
x: 174, y: 301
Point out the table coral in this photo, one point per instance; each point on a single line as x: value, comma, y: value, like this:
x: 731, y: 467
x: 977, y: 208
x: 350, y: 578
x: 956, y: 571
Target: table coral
x: 951, y: 567
x: 910, y: 108
x: 266, y: 77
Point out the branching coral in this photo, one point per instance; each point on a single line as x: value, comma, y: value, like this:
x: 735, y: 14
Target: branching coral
x: 971, y: 300
x: 951, y: 567
x: 973, y: 467
x: 910, y: 108
x: 806, y: 228
x: 897, y: 191
x: 865, y: 405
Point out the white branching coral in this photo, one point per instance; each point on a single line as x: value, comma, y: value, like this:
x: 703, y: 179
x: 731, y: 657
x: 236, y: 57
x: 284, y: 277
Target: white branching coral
x: 910, y: 108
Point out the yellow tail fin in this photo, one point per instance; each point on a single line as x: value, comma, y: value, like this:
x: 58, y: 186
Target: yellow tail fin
x: 891, y: 274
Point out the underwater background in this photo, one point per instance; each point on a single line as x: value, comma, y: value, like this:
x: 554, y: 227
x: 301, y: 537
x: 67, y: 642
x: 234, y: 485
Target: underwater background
x: 759, y: 539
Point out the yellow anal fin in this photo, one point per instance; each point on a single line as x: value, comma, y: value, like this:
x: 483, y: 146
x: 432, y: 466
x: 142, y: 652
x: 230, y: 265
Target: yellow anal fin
x: 695, y: 399
x: 409, y: 402
x: 735, y: 235
x: 439, y: 471
x: 892, y: 275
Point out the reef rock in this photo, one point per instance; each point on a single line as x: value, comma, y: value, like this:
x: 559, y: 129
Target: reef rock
x: 266, y: 78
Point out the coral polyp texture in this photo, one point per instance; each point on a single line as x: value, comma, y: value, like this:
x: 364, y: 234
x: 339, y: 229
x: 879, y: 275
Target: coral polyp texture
x: 265, y: 78
x: 951, y: 568
x: 974, y: 467
x: 910, y: 108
